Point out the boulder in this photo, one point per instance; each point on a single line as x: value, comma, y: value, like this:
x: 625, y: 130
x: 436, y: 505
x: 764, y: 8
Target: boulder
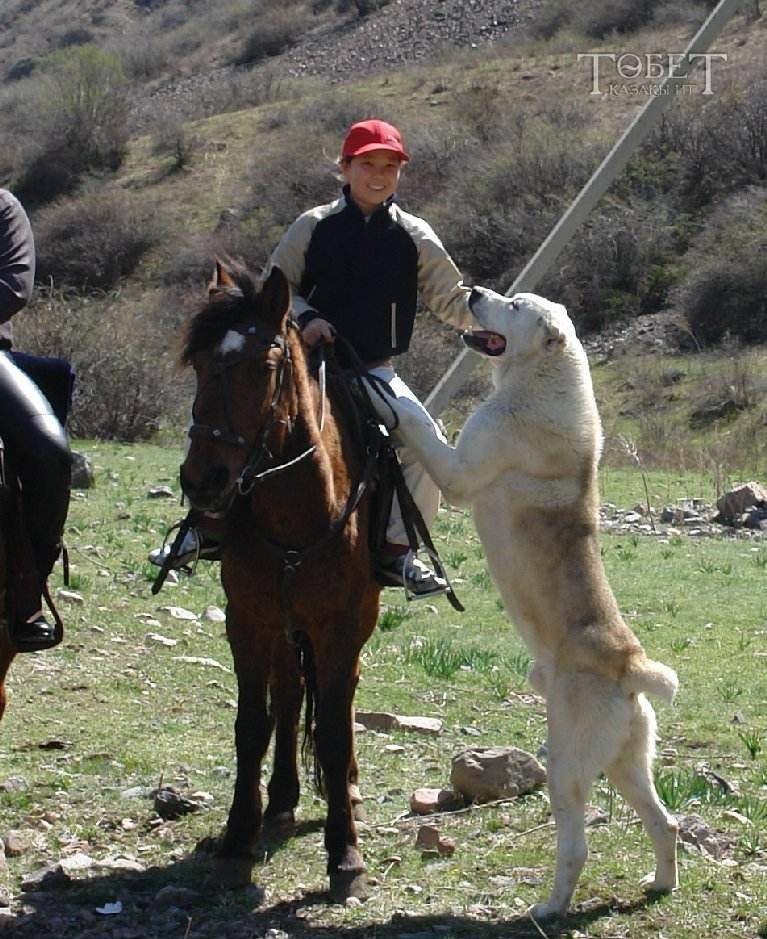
x: 733, y: 504
x: 82, y: 471
x: 484, y: 774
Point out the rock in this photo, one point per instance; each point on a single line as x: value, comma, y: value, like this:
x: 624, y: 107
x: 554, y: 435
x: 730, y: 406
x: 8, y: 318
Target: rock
x: 427, y: 837
x: 376, y: 720
x: 214, y: 614
x: 178, y: 612
x: 82, y: 471
x: 170, y: 804
x: 421, y: 725
x: 76, y: 863
x: 483, y: 774
x: 14, y: 784
x: 429, y: 801
x: 446, y: 847
x: 121, y: 864
x: 160, y: 640
x: 49, y: 877
x: 733, y: 504
x: 161, y: 492
x: 18, y: 842
x: 70, y: 596
x: 696, y: 833
x: 384, y: 722
x: 594, y: 816
x: 201, y: 660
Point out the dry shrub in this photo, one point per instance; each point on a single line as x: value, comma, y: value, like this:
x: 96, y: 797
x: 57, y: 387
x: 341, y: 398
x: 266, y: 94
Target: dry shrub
x: 93, y: 241
x: 124, y: 358
x: 725, y: 290
x: 275, y: 30
x: 78, y: 122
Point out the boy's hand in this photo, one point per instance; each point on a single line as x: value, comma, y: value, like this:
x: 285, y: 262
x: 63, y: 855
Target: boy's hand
x: 318, y: 330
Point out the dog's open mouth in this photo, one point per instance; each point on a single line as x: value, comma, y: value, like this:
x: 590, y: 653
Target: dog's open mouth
x: 484, y: 341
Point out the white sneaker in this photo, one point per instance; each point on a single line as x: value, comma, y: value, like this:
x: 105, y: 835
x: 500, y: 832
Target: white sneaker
x: 409, y: 571
x: 190, y: 549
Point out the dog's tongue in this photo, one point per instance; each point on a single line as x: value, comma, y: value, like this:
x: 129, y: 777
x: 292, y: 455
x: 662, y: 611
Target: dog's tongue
x: 483, y: 340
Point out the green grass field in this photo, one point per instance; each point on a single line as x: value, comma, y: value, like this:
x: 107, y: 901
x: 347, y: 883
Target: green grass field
x: 112, y: 710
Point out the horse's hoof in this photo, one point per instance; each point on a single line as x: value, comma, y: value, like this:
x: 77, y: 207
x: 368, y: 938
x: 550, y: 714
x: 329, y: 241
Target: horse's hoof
x: 232, y: 872
x: 279, y: 826
x: 345, y: 884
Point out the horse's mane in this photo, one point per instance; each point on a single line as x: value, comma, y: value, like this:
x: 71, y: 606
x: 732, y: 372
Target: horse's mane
x: 225, y: 308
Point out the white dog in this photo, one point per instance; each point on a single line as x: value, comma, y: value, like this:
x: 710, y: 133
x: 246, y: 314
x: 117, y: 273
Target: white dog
x: 526, y: 462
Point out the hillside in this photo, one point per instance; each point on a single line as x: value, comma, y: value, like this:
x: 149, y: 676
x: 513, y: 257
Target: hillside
x: 219, y: 157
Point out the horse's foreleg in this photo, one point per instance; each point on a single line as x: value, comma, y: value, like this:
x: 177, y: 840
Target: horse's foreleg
x: 335, y: 746
x: 355, y: 794
x: 6, y: 657
x: 286, y: 691
x: 253, y: 729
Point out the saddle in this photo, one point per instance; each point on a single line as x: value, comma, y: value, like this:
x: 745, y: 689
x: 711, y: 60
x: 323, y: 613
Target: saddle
x: 352, y: 392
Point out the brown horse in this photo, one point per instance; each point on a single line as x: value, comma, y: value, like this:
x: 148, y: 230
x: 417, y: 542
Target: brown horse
x: 276, y: 458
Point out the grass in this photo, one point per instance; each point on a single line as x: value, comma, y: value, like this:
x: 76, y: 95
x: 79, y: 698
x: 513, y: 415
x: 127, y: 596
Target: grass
x: 112, y: 710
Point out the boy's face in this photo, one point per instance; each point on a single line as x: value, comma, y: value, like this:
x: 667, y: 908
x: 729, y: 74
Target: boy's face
x: 372, y: 178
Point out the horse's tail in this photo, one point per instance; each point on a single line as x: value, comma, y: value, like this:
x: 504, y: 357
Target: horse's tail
x: 308, y: 749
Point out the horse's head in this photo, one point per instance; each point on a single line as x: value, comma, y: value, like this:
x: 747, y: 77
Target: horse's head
x: 239, y: 348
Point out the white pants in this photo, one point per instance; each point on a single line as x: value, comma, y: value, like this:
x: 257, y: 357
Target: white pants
x: 423, y: 489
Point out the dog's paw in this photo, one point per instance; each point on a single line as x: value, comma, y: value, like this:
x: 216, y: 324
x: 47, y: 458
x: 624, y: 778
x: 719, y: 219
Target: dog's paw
x: 652, y: 883
x: 545, y: 911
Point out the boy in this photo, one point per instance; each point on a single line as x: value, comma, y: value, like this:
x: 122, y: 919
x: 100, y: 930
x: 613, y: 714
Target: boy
x: 356, y: 267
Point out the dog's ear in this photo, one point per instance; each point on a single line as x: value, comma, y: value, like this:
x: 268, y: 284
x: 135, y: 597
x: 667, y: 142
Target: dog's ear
x: 554, y: 338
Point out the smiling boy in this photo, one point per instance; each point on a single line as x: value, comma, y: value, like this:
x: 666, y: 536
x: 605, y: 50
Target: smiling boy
x: 357, y: 267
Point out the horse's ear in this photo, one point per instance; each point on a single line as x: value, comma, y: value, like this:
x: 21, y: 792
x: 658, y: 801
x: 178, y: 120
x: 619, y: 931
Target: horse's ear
x: 275, y: 296
x: 222, y: 281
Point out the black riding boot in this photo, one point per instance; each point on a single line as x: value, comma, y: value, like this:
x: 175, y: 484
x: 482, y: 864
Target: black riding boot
x: 29, y: 630
x: 38, y: 451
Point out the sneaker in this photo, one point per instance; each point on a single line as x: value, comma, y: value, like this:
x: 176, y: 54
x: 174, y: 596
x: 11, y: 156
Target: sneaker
x: 191, y: 549
x: 408, y: 571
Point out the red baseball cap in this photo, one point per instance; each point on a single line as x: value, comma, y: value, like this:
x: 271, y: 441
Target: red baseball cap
x: 372, y: 135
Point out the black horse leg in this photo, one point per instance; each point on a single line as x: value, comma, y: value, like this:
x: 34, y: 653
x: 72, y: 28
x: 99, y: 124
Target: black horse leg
x: 286, y: 692
x: 253, y: 728
x: 334, y: 743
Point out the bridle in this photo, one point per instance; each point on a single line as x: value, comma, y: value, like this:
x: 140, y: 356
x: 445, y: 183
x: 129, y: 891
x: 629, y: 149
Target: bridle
x: 259, y: 453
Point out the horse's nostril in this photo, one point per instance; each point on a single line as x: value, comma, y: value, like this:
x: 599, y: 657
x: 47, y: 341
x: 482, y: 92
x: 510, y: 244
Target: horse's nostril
x: 216, y: 479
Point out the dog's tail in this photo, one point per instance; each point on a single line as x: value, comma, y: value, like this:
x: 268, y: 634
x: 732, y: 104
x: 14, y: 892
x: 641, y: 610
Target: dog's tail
x: 653, y: 678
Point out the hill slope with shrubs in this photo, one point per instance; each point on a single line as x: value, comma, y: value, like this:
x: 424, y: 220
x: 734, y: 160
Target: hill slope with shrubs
x: 211, y: 156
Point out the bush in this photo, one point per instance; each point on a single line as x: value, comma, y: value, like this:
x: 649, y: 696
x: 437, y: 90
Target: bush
x: 79, y: 116
x: 275, y: 31
x: 725, y: 291
x: 616, y: 266
x: 494, y: 215
x: 93, y: 241
x: 126, y: 386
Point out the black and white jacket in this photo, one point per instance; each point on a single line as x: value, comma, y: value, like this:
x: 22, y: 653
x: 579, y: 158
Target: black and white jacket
x: 364, y: 274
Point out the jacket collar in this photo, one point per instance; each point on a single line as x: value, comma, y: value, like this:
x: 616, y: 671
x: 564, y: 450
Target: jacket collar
x: 351, y: 205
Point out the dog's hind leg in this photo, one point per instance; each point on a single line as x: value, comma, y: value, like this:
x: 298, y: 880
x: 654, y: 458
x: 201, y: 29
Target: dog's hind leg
x: 572, y: 767
x: 631, y: 774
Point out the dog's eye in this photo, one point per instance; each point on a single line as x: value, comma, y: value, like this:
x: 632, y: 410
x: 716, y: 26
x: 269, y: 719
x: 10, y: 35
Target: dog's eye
x: 515, y: 305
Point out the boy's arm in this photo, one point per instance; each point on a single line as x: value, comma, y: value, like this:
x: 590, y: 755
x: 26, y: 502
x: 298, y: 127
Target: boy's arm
x: 17, y: 257
x: 289, y: 256
x: 439, y: 280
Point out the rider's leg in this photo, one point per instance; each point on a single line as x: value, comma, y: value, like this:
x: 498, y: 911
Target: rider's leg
x: 396, y: 564
x: 39, y: 449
